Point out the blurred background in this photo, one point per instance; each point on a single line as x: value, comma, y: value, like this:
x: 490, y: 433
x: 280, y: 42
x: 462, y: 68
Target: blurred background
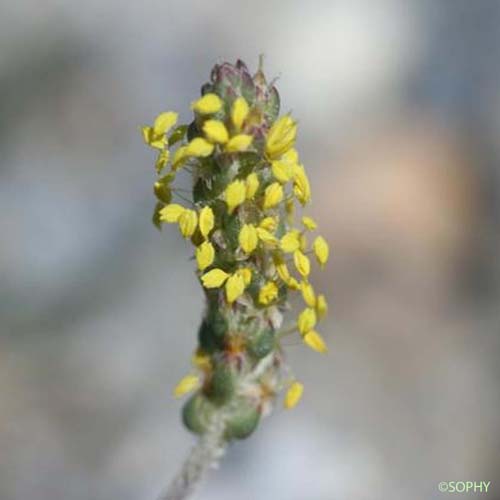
x: 399, y: 110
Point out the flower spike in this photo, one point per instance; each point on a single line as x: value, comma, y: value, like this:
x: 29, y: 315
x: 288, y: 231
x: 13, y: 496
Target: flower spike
x: 251, y: 254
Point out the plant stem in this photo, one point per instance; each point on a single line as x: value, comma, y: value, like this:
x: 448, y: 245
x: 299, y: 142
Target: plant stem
x: 205, y: 455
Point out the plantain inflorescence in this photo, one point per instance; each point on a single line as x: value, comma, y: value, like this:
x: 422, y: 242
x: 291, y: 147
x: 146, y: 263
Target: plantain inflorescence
x: 252, y: 251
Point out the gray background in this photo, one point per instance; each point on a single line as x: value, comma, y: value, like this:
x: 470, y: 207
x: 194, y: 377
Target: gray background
x: 399, y: 111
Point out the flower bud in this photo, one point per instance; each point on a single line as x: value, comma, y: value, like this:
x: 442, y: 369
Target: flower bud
x: 221, y: 387
x: 197, y: 414
x: 242, y: 420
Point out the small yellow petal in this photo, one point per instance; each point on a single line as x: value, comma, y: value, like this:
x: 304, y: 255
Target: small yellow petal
x: 321, y: 250
x: 171, y: 213
x: 162, y: 160
x: 235, y: 286
x: 302, y: 263
x: 235, y: 194
x: 293, y: 395
x: 146, y: 134
x: 199, y: 147
x: 158, y: 141
x: 215, y: 131
x: 240, y: 142
x: 208, y: 104
x: 308, y: 294
x: 186, y: 384
x: 201, y: 360
x: 179, y: 158
x: 290, y: 242
x: 273, y: 195
x: 246, y: 274
x: 290, y: 210
x: 214, y: 278
x: 248, y: 238
x: 268, y: 293
x: 282, y: 171
x: 282, y: 270
x: 293, y: 284
x: 269, y: 224
x: 303, y: 242
x: 164, y: 122
x: 321, y: 306
x: 266, y: 237
x: 281, y: 137
x: 205, y: 255
x: 291, y: 156
x: 306, y: 320
x: 314, y: 340
x: 206, y: 221
x: 239, y: 112
x: 188, y: 221
x: 252, y: 184
x: 301, y: 188
x: 309, y: 223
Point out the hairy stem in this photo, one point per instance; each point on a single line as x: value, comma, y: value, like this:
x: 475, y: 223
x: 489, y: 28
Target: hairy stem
x: 205, y: 455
